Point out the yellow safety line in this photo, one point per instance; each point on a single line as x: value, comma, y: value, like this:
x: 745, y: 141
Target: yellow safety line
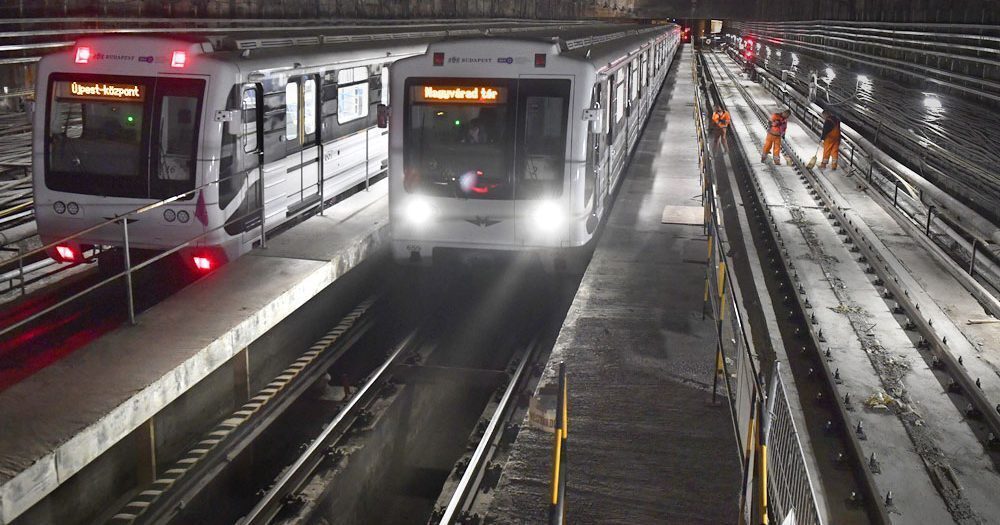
x: 555, y: 469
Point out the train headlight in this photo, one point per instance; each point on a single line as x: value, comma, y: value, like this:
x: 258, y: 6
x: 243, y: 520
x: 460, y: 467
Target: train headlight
x: 548, y: 216
x: 73, y: 208
x: 183, y: 216
x: 418, y: 211
x: 169, y: 215
x: 59, y: 207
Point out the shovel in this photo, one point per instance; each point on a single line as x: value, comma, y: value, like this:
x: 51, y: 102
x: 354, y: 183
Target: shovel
x: 812, y: 162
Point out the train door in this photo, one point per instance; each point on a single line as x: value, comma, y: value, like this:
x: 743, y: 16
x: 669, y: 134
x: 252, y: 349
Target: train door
x: 301, y: 132
x: 599, y: 147
x: 618, y: 129
x: 249, y: 212
x: 542, y: 135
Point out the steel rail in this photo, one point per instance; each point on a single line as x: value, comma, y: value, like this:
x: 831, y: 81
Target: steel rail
x: 980, y: 226
x: 206, y: 461
x: 474, y: 471
x: 293, y: 477
x: 892, y: 273
x: 840, y: 410
x: 963, y: 218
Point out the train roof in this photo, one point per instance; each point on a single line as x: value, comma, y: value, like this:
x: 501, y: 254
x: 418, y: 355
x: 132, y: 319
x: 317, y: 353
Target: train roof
x: 602, y: 43
x: 605, y: 46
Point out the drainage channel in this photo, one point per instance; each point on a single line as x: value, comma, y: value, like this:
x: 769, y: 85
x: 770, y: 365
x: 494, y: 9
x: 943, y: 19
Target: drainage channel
x: 886, y: 364
x: 392, y: 449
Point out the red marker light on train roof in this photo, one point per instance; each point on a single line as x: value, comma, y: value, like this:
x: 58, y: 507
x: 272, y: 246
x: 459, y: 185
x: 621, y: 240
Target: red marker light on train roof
x: 66, y: 253
x: 178, y: 59
x: 202, y: 263
x: 82, y: 55
x: 539, y: 59
x: 438, y: 59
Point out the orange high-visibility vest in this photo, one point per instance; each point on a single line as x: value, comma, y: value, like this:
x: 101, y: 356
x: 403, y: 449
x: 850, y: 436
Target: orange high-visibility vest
x: 721, y: 119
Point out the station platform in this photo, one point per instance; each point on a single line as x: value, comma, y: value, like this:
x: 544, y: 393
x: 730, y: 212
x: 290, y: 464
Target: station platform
x: 56, y: 422
x: 644, y: 444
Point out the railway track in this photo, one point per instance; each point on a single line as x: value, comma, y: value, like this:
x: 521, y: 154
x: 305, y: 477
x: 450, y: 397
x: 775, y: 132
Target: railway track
x: 920, y: 403
x: 457, y: 371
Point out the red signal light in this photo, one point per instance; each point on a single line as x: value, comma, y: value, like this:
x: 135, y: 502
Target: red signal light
x: 66, y: 253
x: 178, y: 59
x: 82, y: 55
x: 202, y: 263
x: 438, y: 59
x: 539, y: 59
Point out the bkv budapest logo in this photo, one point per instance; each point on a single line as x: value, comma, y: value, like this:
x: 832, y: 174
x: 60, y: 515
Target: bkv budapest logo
x: 148, y: 60
x: 505, y: 60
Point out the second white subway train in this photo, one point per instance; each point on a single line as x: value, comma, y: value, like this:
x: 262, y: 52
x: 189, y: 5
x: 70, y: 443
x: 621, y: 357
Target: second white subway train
x: 501, y: 145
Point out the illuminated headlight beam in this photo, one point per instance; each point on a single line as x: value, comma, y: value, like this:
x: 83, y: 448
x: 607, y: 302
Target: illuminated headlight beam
x: 418, y: 211
x: 548, y: 216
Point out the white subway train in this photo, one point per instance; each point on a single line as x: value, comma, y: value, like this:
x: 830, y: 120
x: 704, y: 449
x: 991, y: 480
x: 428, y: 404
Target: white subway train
x: 123, y: 122
x: 501, y: 145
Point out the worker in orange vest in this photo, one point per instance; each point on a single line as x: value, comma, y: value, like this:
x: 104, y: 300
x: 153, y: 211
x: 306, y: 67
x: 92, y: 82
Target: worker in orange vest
x: 831, y: 139
x: 721, y: 119
x: 776, y: 128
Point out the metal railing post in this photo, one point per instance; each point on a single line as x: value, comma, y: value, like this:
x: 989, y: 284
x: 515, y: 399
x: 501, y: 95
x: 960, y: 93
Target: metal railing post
x: 128, y: 272
x: 367, y: 161
x: 930, y: 215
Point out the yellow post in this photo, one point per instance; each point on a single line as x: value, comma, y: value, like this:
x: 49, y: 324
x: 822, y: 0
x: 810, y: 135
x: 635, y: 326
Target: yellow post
x: 763, y: 484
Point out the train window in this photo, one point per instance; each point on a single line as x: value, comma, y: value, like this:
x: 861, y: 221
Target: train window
x: 291, y: 111
x: 176, y: 128
x: 248, y: 104
x: 175, y: 136
x: 95, y: 135
x: 633, y: 81
x: 122, y: 136
x: 385, y: 85
x: 309, y: 106
x: 645, y: 69
x: 543, y: 106
x: 458, y: 141
x: 619, y: 96
x: 352, y: 94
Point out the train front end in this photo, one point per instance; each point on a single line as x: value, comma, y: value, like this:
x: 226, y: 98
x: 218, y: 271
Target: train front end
x: 487, y: 151
x: 120, y: 124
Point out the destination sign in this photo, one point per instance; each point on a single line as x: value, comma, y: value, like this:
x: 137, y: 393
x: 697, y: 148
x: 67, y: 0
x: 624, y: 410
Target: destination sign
x: 102, y: 90
x: 461, y: 94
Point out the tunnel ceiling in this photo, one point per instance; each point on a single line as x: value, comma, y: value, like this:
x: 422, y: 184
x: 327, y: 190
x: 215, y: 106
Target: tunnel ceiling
x: 954, y: 11
x: 722, y: 9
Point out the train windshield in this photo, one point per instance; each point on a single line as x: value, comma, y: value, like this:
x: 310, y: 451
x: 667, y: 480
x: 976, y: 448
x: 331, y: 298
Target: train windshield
x: 485, y: 138
x: 122, y: 136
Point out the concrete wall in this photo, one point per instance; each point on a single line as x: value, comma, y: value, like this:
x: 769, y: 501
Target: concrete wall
x: 316, y: 8
x: 959, y: 11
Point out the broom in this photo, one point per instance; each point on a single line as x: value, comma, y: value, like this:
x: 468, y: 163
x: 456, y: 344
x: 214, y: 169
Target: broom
x: 812, y: 162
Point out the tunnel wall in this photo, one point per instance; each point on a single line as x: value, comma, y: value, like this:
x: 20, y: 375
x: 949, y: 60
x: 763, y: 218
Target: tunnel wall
x: 953, y: 11
x: 303, y: 9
